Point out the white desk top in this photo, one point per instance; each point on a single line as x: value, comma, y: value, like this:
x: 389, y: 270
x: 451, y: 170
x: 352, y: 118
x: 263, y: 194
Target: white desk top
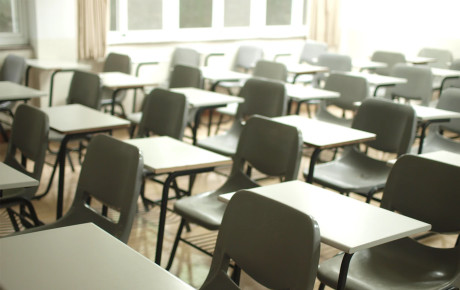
x: 378, y: 80
x: 419, y: 59
x: 429, y: 113
x: 301, y: 93
x: 367, y: 64
x: 215, y: 74
x: 78, y: 257
x: 345, y: 223
x: 119, y: 80
x: 441, y: 72
x: 304, y: 68
x: 11, y: 91
x: 75, y: 118
x: 323, y: 134
x: 12, y: 178
x: 203, y: 98
x: 49, y: 64
x: 165, y: 155
x: 442, y: 156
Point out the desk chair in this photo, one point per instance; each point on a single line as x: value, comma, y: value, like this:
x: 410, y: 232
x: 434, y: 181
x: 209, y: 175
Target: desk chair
x: 418, y: 87
x: 245, y: 60
x: 270, y: 147
x: 264, y: 69
x: 13, y: 70
x: 164, y: 114
x: 352, y: 89
x: 110, y: 175
x: 29, y: 138
x: 355, y: 171
x: 435, y: 140
x: 388, y: 57
x: 261, y: 97
x: 115, y: 62
x: 335, y: 62
x: 275, y: 244
x: 443, y: 57
x: 455, y: 82
x: 425, y: 190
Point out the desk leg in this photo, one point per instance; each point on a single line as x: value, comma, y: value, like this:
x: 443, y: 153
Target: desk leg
x: 196, y: 124
x: 60, y: 193
x: 114, y: 96
x: 27, y: 76
x: 311, y: 168
x: 344, y: 271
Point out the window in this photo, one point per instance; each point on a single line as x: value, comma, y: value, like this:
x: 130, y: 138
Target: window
x: 136, y: 21
x: 12, y: 22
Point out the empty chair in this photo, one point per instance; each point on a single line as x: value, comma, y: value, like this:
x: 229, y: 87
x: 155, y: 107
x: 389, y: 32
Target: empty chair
x: 261, y: 97
x: 418, y: 86
x: 264, y: 69
x: 182, y: 76
x: 116, y: 62
x: 454, y: 82
x: 335, y: 62
x: 110, y: 175
x: 29, y: 139
x: 355, y: 171
x: 443, y: 57
x: 352, y: 89
x: 257, y: 242
x: 270, y: 147
x: 435, y: 140
x: 13, y: 70
x: 425, y: 190
x: 185, y: 56
x: 311, y: 51
x: 388, y: 57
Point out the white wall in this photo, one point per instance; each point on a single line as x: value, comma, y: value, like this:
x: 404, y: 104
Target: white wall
x: 399, y: 25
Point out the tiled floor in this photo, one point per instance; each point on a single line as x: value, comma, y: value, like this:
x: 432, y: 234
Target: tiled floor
x: 189, y: 265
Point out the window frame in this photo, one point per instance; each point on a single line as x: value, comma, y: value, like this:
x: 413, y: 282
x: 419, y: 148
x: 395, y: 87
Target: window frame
x: 172, y: 33
x: 20, y: 35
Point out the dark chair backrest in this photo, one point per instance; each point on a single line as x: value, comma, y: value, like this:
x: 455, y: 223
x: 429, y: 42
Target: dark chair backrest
x: 419, y: 82
x: 164, y: 113
x: 85, y: 89
x: 449, y: 100
x: 246, y: 57
x: 426, y: 190
x: 111, y: 174
x: 185, y: 76
x: 270, y: 70
x: 393, y: 123
x: 13, y: 69
x: 254, y: 233
x: 335, y: 62
x: 29, y: 138
x: 352, y: 89
x: 116, y: 62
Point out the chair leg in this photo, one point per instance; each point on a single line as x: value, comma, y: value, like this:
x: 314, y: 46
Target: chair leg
x: 236, y: 275
x: 321, y: 286
x: 3, y: 132
x: 176, y: 243
x: 221, y: 116
x: 13, y: 219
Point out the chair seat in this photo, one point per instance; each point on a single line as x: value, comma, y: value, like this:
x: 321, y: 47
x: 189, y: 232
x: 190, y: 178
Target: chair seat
x: 223, y: 144
x: 403, y: 261
x: 436, y: 142
x: 353, y: 173
x: 229, y: 110
x: 325, y: 116
x: 135, y: 117
x: 55, y: 136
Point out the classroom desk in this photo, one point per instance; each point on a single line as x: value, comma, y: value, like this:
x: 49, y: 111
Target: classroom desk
x: 442, y: 156
x: 56, y: 66
x: 323, y: 135
x: 301, y: 94
x: 419, y: 59
x: 445, y: 74
x: 165, y: 155
x: 345, y: 223
x: 215, y: 76
x: 428, y: 115
x: 378, y: 80
x: 78, y: 257
x: 76, y: 121
x: 118, y: 81
x: 364, y: 64
x: 10, y: 91
x: 11, y: 178
x: 298, y: 69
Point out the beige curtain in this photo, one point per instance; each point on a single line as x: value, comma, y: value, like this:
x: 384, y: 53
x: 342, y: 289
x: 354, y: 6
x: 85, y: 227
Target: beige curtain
x: 324, y: 22
x: 92, y: 29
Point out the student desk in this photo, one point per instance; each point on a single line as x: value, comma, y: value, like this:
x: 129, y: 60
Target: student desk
x: 345, y: 223
x: 78, y: 257
x: 165, y: 155
x: 11, y: 178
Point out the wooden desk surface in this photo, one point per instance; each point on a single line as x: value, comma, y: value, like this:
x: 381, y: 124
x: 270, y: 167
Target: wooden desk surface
x: 203, y: 98
x: 323, y: 134
x: 345, y: 223
x: 12, y: 178
x: 165, y: 155
x: 78, y: 257
x: 75, y: 118
x: 10, y: 91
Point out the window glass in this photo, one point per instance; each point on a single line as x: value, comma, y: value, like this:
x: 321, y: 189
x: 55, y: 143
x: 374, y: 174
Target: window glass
x: 279, y: 12
x: 236, y: 13
x: 6, y: 17
x: 145, y: 14
x: 195, y: 13
x: 113, y: 15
